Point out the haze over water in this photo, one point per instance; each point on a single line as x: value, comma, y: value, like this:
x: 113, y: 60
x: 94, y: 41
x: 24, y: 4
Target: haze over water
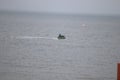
x: 30, y: 50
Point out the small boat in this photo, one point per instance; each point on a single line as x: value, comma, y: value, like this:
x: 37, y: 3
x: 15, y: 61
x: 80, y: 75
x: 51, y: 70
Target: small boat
x: 61, y: 36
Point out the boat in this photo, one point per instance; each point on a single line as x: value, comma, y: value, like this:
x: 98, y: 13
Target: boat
x: 61, y: 36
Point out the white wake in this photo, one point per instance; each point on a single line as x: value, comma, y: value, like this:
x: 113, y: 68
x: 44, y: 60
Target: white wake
x: 35, y: 37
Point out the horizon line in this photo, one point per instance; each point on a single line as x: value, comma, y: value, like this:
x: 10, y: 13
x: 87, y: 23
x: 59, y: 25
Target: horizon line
x: 58, y: 13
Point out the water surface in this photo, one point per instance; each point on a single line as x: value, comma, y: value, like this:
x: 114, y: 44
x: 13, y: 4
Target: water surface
x: 30, y: 50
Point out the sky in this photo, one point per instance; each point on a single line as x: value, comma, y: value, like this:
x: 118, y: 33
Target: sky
x: 106, y: 7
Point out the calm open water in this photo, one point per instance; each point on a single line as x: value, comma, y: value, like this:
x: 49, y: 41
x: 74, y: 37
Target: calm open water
x: 30, y: 50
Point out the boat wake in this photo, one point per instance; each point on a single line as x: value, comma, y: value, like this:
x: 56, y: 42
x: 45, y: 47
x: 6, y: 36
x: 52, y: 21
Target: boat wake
x: 35, y: 37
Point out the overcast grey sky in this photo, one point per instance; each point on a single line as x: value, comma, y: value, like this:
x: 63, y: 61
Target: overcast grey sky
x: 63, y: 6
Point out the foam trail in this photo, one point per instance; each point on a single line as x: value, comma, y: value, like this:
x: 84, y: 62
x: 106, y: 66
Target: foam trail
x: 35, y: 37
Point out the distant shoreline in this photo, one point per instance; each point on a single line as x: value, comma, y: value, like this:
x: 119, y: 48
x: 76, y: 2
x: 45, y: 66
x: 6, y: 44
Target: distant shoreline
x: 58, y: 14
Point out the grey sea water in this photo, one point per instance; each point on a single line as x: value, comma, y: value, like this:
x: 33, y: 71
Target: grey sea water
x: 30, y: 50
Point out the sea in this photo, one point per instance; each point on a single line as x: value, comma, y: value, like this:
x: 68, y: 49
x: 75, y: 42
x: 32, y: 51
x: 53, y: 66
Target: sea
x: 30, y: 49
